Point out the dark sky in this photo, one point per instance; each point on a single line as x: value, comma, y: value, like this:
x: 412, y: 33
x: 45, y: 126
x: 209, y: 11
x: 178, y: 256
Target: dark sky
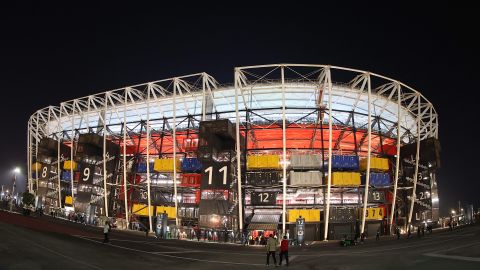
x: 54, y: 53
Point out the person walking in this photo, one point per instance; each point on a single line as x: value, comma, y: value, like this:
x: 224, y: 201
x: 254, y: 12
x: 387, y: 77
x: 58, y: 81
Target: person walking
x: 272, y: 244
x: 284, y: 250
x: 398, y: 233
x: 378, y: 235
x: 106, y: 230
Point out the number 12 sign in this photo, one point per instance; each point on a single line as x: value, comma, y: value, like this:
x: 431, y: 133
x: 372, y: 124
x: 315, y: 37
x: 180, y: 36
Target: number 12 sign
x: 263, y: 198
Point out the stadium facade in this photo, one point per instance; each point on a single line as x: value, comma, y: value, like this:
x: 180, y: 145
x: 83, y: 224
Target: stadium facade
x: 349, y: 151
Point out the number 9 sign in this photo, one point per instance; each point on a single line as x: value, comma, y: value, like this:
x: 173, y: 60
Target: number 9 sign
x: 87, y: 172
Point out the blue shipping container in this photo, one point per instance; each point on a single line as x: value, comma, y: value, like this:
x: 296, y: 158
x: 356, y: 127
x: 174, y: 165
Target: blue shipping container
x: 142, y: 167
x: 191, y: 165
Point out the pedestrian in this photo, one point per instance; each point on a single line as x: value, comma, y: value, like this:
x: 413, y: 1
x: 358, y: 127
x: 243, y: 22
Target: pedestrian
x: 378, y: 235
x: 409, y: 232
x: 106, y: 230
x: 423, y: 231
x: 398, y: 233
x: 418, y: 231
x: 284, y: 250
x: 272, y: 244
x: 362, y: 237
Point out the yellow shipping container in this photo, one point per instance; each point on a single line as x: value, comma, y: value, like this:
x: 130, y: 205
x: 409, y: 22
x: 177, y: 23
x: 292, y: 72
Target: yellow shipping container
x: 36, y: 166
x: 67, y: 165
x: 293, y: 215
x: 380, y: 164
x: 345, y: 179
x: 372, y: 213
x: 337, y: 179
x: 310, y: 215
x: 68, y: 200
x: 355, y: 179
x: 263, y: 162
x: 166, y: 165
x: 141, y: 209
x: 170, y: 210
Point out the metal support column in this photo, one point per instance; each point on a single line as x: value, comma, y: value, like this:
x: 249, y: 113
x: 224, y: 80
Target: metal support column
x: 105, y: 176
x: 125, y: 186
x: 328, y: 80
x: 417, y: 158
x: 148, y: 163
x: 369, y: 135
x: 58, y: 168
x: 204, y: 98
x: 397, y: 160
x: 237, y: 136
x: 175, y: 85
x: 71, y: 156
x: 29, y: 158
x: 284, y: 154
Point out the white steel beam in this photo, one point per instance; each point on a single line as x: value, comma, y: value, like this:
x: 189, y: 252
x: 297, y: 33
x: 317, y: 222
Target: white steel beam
x: 397, y: 160
x: 369, y: 135
x: 148, y: 163
x: 105, y: 176
x: 328, y: 81
x: 125, y: 187
x: 175, y: 86
x: 237, y: 136
x: 415, y: 176
x: 284, y: 155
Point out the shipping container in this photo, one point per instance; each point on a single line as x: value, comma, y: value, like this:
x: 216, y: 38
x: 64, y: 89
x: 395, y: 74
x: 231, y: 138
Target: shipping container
x: 346, y: 179
x: 306, y: 161
x: 68, y: 165
x: 306, y: 178
x: 166, y: 165
x: 142, y: 167
x: 378, y: 164
x: 310, y: 215
x: 191, y: 165
x: 263, y: 162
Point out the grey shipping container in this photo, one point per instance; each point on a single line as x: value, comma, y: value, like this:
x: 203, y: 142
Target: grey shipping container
x: 305, y: 178
x: 306, y: 161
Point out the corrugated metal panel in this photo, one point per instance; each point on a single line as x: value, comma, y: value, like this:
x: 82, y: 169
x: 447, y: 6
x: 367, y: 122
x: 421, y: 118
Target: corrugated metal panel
x: 265, y: 218
x: 263, y: 226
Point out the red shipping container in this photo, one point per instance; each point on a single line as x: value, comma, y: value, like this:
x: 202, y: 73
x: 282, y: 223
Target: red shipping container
x: 197, y: 197
x: 191, y: 180
x: 190, y: 144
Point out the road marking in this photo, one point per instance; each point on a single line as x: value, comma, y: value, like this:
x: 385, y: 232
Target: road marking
x: 173, y: 252
x: 162, y: 244
x: 453, y: 257
x: 292, y: 258
x: 172, y: 256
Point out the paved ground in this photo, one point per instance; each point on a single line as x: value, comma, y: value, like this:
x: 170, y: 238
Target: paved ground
x: 45, y: 243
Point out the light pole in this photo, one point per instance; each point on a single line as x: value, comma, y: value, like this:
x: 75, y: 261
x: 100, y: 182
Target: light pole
x: 15, y: 171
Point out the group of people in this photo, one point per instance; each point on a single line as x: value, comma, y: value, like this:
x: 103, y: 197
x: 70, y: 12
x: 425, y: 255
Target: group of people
x: 272, y: 245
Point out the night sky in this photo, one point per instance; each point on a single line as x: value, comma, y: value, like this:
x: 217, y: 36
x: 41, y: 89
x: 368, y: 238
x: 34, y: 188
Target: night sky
x: 54, y: 53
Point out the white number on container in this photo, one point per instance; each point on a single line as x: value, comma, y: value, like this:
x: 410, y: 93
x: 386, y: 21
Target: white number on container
x: 44, y: 172
x: 262, y: 195
x: 86, y: 174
